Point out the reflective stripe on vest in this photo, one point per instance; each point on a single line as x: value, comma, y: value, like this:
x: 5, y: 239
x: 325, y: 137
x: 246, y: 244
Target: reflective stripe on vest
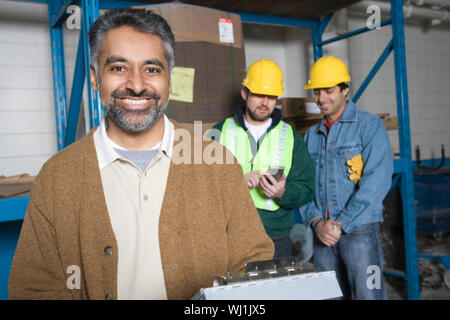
x: 276, y: 149
x: 269, y: 202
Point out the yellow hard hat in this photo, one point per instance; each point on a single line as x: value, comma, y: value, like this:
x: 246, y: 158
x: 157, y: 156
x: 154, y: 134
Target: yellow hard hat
x: 327, y: 72
x: 264, y: 77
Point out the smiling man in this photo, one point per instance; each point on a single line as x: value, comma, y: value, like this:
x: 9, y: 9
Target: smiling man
x: 114, y: 216
x: 353, y: 158
x: 260, y: 139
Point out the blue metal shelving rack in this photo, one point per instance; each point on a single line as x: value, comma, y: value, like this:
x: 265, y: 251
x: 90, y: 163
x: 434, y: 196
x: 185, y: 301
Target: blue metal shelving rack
x: 403, y: 168
x: 67, y: 115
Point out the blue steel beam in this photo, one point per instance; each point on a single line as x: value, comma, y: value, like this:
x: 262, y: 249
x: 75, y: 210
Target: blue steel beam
x: 316, y: 40
x: 400, y: 165
x: 374, y: 70
x: 316, y: 33
x: 393, y: 273
x: 406, y: 181
x: 76, y: 94
x: 90, y: 12
x: 63, y: 15
x: 355, y: 32
x: 13, y: 209
x: 58, y: 70
x: 324, y: 23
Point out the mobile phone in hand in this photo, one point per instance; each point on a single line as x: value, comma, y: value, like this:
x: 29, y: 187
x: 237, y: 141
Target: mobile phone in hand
x: 276, y: 172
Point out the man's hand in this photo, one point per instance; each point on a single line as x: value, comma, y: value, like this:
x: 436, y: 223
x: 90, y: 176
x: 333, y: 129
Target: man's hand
x: 271, y: 187
x: 252, y: 179
x: 328, y: 232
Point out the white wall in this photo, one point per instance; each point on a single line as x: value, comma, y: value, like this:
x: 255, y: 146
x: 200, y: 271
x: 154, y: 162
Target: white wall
x: 288, y: 47
x: 428, y: 70
x: 428, y: 63
x: 27, y: 116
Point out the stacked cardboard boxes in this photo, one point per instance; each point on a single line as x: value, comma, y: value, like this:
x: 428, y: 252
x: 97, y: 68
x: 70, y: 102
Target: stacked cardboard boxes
x: 209, y: 62
x: 16, y: 186
x: 299, y: 112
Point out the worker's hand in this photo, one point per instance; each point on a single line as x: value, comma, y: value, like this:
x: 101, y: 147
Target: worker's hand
x: 329, y: 232
x: 271, y: 187
x: 356, y: 167
x: 252, y: 179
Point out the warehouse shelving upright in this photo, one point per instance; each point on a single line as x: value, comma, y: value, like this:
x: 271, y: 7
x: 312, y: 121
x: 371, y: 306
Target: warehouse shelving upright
x: 67, y: 115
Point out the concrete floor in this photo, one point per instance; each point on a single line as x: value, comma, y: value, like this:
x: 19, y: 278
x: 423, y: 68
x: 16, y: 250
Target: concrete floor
x: 431, y: 272
x: 396, y: 292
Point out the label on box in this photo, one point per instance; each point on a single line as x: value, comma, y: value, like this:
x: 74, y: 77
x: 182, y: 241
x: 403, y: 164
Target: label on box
x: 182, y: 84
x: 226, y: 30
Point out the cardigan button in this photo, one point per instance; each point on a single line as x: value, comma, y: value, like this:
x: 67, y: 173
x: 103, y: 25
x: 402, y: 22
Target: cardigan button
x: 108, y: 297
x: 108, y: 250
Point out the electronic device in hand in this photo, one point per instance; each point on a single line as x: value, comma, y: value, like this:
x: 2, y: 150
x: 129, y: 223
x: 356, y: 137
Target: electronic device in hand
x: 275, y: 172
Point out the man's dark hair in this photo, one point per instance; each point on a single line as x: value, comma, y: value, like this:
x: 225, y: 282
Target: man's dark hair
x: 141, y: 20
x: 342, y: 86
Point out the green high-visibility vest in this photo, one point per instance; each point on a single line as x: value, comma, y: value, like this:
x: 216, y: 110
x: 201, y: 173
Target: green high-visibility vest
x: 276, y: 149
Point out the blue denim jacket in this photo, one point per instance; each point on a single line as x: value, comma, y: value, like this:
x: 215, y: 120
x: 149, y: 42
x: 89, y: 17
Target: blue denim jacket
x: 356, y: 132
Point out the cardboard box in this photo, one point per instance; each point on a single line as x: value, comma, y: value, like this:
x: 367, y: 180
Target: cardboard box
x: 209, y: 47
x: 16, y: 186
x: 390, y: 123
x: 302, y: 124
x: 297, y: 107
x: 292, y: 107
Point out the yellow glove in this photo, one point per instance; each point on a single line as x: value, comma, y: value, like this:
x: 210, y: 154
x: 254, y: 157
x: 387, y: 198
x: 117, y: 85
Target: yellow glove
x: 356, y: 167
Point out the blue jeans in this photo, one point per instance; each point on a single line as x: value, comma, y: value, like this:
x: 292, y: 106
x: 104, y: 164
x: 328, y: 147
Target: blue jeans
x: 283, y: 247
x: 357, y: 259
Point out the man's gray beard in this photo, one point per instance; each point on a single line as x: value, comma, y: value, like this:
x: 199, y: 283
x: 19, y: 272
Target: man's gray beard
x: 121, y: 116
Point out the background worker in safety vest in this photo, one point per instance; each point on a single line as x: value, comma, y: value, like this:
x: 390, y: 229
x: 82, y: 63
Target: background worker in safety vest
x: 259, y: 140
x: 353, y: 159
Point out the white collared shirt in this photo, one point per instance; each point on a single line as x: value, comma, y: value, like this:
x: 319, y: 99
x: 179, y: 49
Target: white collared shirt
x: 258, y: 130
x: 134, y: 199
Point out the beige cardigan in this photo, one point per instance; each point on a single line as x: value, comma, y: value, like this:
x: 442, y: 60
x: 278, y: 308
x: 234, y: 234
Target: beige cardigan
x: 208, y: 226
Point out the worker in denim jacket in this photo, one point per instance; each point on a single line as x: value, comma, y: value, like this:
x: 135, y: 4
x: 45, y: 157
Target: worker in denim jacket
x: 353, y: 158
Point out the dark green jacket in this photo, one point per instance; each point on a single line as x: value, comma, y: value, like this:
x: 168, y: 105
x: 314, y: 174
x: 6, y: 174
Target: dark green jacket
x: 299, y: 188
